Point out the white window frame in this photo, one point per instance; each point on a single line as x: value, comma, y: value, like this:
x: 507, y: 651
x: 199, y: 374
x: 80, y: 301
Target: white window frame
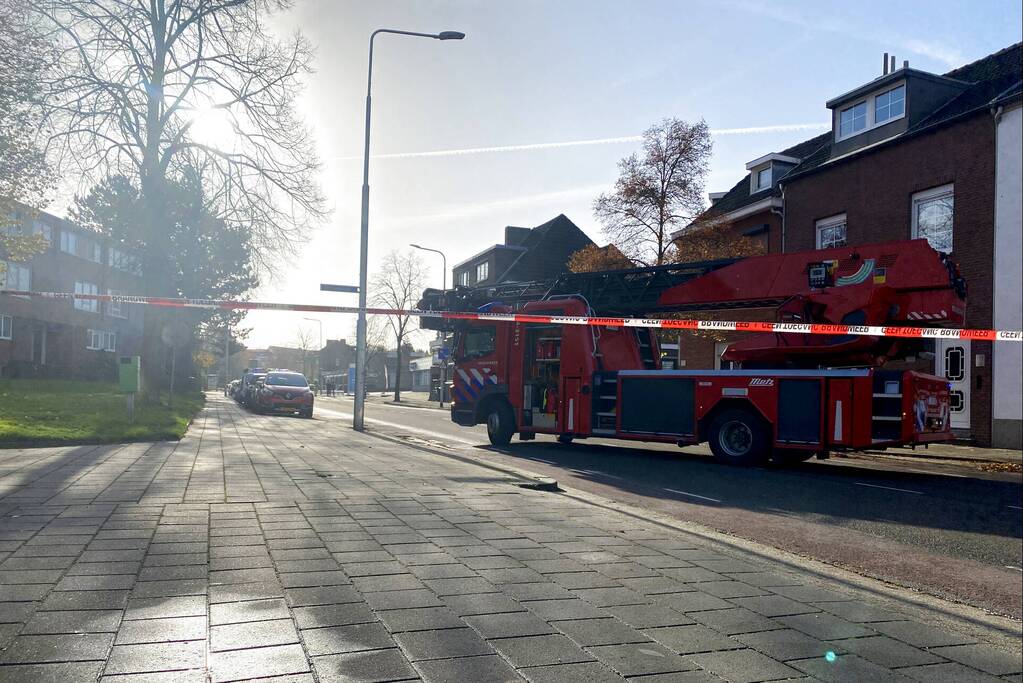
x: 889, y: 118
x: 831, y: 222
x: 116, y: 308
x: 69, y: 242
x: 463, y: 278
x: 110, y: 341
x: 43, y: 228
x: 482, y: 271
x: 924, y: 196
x: 6, y: 327
x: 22, y: 271
x: 870, y: 102
x: 94, y: 340
x: 89, y: 306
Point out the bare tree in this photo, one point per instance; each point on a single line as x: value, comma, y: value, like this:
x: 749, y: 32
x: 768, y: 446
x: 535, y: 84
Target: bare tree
x: 25, y: 177
x: 657, y: 192
x: 306, y: 342
x: 145, y: 88
x: 148, y: 89
x: 399, y: 285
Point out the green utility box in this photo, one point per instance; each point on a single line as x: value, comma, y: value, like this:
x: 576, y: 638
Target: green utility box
x: 129, y: 373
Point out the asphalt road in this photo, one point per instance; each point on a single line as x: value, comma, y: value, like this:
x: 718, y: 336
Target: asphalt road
x: 947, y: 530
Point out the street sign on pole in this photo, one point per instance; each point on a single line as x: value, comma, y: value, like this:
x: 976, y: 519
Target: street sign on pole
x: 350, y: 289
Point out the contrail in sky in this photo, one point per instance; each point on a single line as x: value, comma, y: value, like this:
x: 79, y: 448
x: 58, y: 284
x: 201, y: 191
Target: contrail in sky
x: 785, y: 128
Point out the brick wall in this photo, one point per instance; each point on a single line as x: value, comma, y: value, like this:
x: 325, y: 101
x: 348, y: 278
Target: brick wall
x: 874, y: 190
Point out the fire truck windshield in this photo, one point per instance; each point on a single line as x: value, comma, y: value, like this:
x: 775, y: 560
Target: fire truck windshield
x: 478, y: 342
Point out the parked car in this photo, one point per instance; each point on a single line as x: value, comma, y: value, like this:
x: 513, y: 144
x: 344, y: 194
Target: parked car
x: 247, y: 391
x: 283, y: 391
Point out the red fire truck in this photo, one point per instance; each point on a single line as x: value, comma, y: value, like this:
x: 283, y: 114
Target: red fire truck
x: 794, y: 396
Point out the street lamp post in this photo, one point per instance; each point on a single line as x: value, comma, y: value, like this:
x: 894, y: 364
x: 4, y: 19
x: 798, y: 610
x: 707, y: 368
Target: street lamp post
x: 319, y: 350
x: 360, y: 327
x: 443, y: 288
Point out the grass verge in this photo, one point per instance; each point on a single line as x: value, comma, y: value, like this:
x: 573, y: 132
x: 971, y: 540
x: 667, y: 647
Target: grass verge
x: 60, y: 412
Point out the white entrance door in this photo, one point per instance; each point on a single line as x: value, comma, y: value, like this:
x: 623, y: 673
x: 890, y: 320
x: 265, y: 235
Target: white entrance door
x: 952, y: 361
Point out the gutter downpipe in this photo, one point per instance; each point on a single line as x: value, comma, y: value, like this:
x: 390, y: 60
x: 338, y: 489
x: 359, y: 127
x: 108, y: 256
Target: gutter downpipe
x: 781, y: 212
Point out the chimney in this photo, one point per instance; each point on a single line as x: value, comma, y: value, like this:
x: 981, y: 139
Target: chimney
x: 884, y: 65
x: 905, y: 63
x: 893, y: 63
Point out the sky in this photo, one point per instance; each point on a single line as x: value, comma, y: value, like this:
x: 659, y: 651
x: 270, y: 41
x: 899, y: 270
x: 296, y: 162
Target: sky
x: 528, y: 116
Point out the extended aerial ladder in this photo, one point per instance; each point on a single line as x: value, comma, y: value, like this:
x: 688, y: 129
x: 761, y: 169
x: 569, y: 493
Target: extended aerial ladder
x: 795, y: 395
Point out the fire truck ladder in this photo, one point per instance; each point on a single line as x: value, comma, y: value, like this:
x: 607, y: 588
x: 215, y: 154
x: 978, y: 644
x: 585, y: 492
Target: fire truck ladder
x: 629, y: 292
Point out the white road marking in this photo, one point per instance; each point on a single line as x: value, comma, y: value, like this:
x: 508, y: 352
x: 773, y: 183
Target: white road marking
x: 693, y: 495
x: 597, y: 473
x: 385, y: 423
x: 888, y: 488
x: 549, y: 462
x: 1014, y: 507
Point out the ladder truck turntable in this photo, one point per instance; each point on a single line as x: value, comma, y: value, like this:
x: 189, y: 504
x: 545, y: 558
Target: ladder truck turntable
x: 795, y: 396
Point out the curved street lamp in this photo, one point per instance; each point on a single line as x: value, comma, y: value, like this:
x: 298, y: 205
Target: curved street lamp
x: 360, y: 328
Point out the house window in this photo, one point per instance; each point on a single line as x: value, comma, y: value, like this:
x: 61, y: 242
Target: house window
x: 482, y: 271
x: 95, y: 253
x: 122, y: 261
x: 463, y: 278
x: 932, y: 216
x: 44, y: 229
x: 831, y: 232
x: 764, y: 178
x: 6, y: 327
x: 15, y: 276
x: 852, y: 120
x: 89, y: 305
x: 99, y: 340
x: 890, y: 105
x: 116, y: 308
x: 68, y: 242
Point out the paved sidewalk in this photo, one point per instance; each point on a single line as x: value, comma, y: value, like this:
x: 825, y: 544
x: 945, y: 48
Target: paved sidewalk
x: 296, y: 550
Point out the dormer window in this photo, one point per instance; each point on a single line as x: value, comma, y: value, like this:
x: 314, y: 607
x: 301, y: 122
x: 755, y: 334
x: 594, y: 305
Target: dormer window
x: 765, y: 170
x: 852, y: 120
x: 873, y: 110
x: 890, y: 105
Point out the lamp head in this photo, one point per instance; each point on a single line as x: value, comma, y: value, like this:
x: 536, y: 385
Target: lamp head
x: 450, y: 35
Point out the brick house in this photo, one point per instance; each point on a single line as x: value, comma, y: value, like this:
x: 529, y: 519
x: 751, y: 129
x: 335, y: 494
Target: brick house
x: 526, y: 254
x: 60, y: 338
x: 913, y: 154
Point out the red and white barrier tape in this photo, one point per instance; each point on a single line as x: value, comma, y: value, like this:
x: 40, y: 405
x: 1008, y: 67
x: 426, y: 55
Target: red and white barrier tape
x: 723, y: 325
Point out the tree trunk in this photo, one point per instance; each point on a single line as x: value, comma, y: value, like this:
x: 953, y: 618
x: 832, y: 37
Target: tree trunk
x: 397, y: 374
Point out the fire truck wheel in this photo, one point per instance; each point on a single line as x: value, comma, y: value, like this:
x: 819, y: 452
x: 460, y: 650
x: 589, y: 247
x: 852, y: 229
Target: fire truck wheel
x: 500, y: 423
x: 739, y: 437
x: 565, y: 438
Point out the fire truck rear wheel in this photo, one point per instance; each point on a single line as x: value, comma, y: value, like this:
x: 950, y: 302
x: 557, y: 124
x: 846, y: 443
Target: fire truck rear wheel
x: 739, y: 437
x: 500, y: 423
